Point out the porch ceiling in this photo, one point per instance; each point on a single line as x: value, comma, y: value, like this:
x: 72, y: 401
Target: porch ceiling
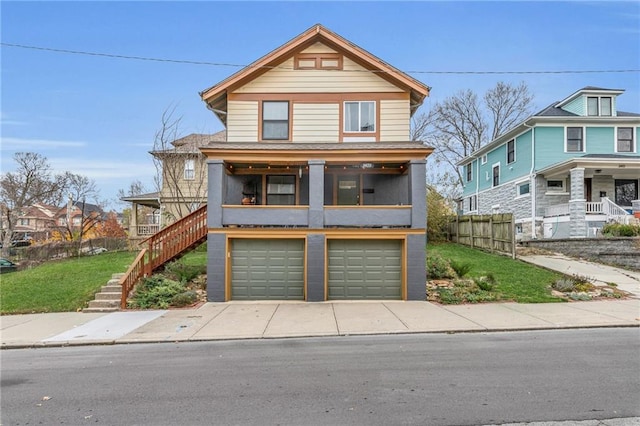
x: 617, y: 166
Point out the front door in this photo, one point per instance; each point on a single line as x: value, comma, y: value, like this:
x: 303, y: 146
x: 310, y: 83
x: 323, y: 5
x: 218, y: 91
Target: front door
x: 587, y: 189
x: 349, y: 190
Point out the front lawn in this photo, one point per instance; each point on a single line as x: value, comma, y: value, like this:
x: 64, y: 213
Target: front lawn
x: 514, y: 280
x: 60, y: 286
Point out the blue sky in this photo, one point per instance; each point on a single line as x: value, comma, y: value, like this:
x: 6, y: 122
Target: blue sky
x: 97, y: 116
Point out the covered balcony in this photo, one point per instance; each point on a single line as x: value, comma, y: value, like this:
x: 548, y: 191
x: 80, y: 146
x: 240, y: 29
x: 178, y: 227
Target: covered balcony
x: 364, y: 190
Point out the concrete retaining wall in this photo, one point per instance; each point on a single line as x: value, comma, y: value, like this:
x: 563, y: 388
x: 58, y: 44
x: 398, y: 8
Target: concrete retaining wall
x: 619, y: 251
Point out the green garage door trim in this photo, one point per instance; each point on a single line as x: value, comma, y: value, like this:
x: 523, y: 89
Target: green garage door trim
x: 364, y: 269
x: 263, y: 269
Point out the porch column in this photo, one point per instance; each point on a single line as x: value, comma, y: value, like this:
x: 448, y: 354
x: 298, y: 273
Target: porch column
x: 418, y: 188
x: 215, y: 191
x: 216, y: 243
x: 133, y: 220
x: 316, y: 193
x: 577, y: 205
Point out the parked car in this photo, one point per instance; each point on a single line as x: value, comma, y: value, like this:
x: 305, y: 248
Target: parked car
x: 7, y: 266
x: 95, y: 250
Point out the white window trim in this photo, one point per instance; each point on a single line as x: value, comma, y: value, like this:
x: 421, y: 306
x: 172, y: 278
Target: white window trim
x: 468, y: 172
x: 483, y: 159
x: 344, y: 117
x: 494, y: 165
x: 187, y: 175
x: 519, y: 184
x: 559, y: 192
x: 471, y: 197
x: 635, y: 140
x: 506, y: 146
x: 566, y: 139
x: 598, y: 106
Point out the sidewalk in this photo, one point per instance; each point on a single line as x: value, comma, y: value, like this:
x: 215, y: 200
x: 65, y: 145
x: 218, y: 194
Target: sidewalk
x: 257, y: 320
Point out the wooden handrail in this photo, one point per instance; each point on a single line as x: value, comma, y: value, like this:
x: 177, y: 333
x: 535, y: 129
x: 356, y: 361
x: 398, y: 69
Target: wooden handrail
x: 164, y: 246
x: 136, y: 271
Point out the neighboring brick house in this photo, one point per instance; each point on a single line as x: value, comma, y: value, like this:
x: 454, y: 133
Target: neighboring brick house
x: 318, y: 193
x: 563, y: 172
x: 35, y: 222
x: 77, y: 215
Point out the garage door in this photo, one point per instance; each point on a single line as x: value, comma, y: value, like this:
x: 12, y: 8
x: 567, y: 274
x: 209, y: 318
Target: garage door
x: 267, y: 269
x: 365, y: 269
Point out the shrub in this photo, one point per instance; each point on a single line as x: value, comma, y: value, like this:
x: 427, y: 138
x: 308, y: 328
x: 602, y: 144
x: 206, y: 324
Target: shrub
x: 461, y: 269
x: 563, y: 285
x: 620, y: 230
x: 184, y: 273
x: 485, y: 283
x: 184, y: 299
x: 156, y: 292
x: 439, y: 268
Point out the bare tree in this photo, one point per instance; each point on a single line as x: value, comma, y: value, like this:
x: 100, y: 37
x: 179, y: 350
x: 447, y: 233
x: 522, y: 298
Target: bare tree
x: 458, y: 126
x: 81, y: 187
x: 31, y: 182
x: 181, y: 176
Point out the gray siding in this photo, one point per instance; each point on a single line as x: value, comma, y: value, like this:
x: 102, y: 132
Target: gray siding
x: 216, y: 260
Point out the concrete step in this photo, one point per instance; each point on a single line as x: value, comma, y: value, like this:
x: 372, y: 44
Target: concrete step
x: 117, y: 276
x: 113, y: 281
x: 108, y: 296
x: 99, y: 310
x: 104, y: 304
x: 111, y: 289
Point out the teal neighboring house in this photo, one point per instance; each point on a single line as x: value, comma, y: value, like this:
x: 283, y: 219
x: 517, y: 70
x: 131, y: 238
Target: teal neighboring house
x: 563, y: 172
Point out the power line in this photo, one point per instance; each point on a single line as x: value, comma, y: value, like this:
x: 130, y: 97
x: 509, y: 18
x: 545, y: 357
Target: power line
x: 222, y: 64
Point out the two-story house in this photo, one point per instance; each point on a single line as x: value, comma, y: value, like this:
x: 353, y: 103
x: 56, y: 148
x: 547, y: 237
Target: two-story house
x: 317, y: 192
x: 563, y: 172
x: 183, y: 186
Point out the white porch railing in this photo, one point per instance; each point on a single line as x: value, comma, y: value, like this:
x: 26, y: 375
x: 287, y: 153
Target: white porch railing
x: 148, y: 229
x: 605, y: 207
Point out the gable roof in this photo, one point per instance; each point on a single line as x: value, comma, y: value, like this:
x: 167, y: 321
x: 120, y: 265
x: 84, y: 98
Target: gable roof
x: 216, y: 96
x: 190, y: 144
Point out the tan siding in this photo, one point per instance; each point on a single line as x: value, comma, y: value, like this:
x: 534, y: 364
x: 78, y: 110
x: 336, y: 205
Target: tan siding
x: 242, y: 121
x: 318, y: 48
x: 285, y: 79
x: 394, y: 121
x: 316, y: 122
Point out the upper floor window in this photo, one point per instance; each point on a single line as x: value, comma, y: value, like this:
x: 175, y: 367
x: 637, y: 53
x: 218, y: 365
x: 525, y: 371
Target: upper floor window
x: 469, y: 172
x: 319, y: 61
x: 599, y: 106
x: 275, y: 120
x: 483, y: 159
x: 189, y: 169
x: 496, y: 175
x: 575, y: 141
x: 360, y: 116
x: 24, y: 222
x: 281, y: 190
x: 511, y: 151
x: 625, y: 139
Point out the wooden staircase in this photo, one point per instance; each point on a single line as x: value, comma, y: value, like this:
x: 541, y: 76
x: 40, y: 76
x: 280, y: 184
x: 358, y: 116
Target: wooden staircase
x: 164, y: 246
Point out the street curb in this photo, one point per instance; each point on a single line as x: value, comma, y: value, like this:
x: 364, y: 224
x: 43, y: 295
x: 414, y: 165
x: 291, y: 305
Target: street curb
x: 67, y: 344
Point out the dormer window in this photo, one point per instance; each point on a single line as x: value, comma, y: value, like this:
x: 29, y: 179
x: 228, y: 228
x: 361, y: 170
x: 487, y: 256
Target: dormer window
x: 599, y: 106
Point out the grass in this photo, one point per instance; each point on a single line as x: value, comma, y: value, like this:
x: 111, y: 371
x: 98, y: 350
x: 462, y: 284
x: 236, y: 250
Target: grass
x: 196, y: 257
x: 515, y: 280
x: 59, y: 286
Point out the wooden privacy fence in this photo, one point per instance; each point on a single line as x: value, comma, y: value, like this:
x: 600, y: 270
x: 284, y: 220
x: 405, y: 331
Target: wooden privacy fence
x: 488, y: 232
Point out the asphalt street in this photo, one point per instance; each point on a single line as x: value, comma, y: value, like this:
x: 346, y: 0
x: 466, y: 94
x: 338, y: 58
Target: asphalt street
x: 430, y: 379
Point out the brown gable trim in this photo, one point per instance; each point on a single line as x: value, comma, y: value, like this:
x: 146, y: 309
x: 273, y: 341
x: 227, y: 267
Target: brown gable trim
x: 310, y: 97
x: 299, y: 43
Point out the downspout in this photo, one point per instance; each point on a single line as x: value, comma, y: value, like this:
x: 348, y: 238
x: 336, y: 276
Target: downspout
x: 532, y: 176
x: 477, y: 185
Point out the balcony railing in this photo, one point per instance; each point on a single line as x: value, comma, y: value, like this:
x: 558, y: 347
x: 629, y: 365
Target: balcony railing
x: 367, y: 216
x: 352, y: 216
x: 147, y: 230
